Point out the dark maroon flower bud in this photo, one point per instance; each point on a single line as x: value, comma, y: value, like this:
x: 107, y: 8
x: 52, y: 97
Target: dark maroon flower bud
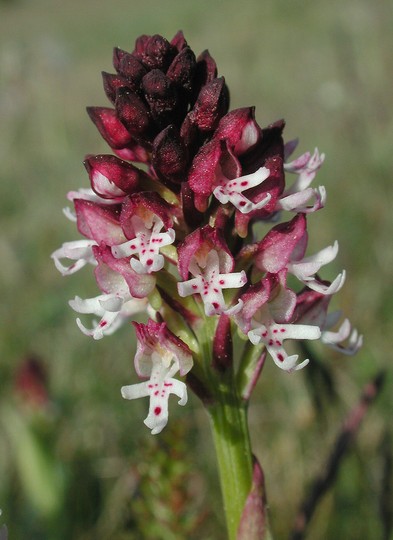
x: 179, y: 41
x: 169, y: 156
x: 112, y: 83
x: 222, y: 344
x: 112, y: 177
x: 240, y: 130
x: 140, y: 44
x: 132, y: 69
x: 160, y: 93
x: 206, y: 69
x: 202, y: 173
x: 211, y: 105
x: 182, y: 69
x: 117, y: 56
x: 155, y: 52
x: 132, y: 112
x: 109, y: 126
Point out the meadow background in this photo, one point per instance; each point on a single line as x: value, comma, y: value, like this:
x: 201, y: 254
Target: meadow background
x: 81, y: 465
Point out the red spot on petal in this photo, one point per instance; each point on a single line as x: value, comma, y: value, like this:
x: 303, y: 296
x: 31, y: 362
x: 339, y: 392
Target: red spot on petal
x: 156, y: 393
x: 278, y: 343
x: 215, y: 305
x: 222, y: 281
x: 271, y: 342
x: 149, y: 262
x: 157, y: 411
x: 150, y: 386
x: 282, y: 330
x: 215, y: 290
x: 103, y: 323
x: 242, y: 203
x: 264, y: 334
x: 194, y: 287
x: 168, y: 384
x: 275, y: 331
x: 244, y: 183
x: 280, y: 357
x: 133, y: 246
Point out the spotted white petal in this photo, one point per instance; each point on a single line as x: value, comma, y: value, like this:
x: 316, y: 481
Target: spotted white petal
x: 79, y: 251
x: 231, y: 191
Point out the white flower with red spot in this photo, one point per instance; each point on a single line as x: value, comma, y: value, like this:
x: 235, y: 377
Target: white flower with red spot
x: 80, y: 251
x: 273, y: 336
x: 209, y: 283
x: 298, y: 197
x: 283, y: 248
x: 146, y: 245
x: 266, y: 310
x: 232, y: 191
x: 159, y: 356
x: 112, y: 309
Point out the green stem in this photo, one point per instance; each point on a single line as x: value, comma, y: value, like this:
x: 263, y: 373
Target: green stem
x: 232, y: 442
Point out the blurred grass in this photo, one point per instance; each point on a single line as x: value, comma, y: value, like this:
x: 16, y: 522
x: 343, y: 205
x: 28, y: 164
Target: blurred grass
x: 327, y: 69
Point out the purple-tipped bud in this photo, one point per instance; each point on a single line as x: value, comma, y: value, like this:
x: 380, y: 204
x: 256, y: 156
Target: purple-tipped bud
x: 222, y: 344
x: 206, y: 68
x: 111, y: 84
x: 109, y: 126
x: 179, y: 41
x: 117, y: 56
x: 132, y: 112
x: 211, y: 105
x: 182, y: 69
x: 112, y: 177
x: 155, y: 52
x: 160, y: 93
x: 169, y: 155
x: 132, y: 69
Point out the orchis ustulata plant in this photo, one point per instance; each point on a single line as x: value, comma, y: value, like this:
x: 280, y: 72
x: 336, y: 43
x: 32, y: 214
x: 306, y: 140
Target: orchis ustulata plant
x: 177, y: 239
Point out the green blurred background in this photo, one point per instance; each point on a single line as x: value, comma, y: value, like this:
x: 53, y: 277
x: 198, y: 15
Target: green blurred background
x: 82, y: 465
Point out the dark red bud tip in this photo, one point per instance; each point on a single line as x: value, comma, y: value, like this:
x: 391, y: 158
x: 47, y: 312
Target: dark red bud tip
x: 211, y: 105
x: 117, y: 56
x: 111, y: 84
x: 182, y: 69
x: 132, y: 111
x: 109, y: 126
x: 132, y: 70
x: 155, y: 52
x: 158, y: 87
x: 179, y: 41
x: 169, y: 155
x: 206, y: 69
x: 105, y: 170
x: 222, y: 345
